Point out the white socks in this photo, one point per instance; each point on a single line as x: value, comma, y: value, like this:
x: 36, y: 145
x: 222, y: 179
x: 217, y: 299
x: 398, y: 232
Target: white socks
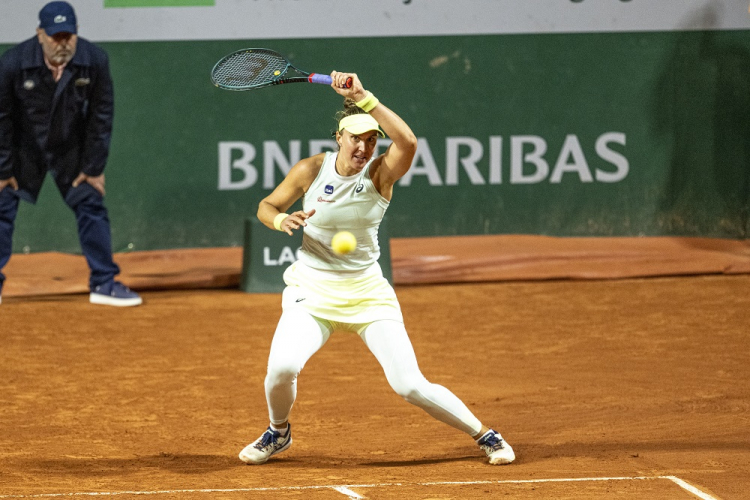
x: 280, y: 430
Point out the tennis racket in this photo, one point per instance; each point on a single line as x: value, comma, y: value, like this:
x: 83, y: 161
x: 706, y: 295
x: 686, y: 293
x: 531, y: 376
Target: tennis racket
x: 249, y: 69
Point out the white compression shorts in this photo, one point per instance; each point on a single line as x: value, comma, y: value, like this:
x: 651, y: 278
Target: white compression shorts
x: 299, y: 335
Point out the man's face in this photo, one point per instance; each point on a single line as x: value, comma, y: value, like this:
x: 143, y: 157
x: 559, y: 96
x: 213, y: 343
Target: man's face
x: 58, y: 48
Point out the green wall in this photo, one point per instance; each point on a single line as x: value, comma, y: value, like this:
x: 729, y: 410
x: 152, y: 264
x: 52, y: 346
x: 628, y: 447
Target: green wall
x: 681, y: 100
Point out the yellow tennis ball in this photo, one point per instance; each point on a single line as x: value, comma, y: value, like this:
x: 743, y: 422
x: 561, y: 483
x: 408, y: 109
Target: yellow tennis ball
x: 343, y: 242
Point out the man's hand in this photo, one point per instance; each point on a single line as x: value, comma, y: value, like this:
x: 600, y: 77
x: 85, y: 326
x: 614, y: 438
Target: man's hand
x: 12, y: 182
x: 96, y: 182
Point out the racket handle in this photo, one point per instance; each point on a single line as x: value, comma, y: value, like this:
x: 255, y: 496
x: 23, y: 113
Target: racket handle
x: 325, y: 79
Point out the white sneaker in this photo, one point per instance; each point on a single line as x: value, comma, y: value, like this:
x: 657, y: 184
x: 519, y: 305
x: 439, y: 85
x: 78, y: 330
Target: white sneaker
x: 269, y: 444
x: 498, y: 451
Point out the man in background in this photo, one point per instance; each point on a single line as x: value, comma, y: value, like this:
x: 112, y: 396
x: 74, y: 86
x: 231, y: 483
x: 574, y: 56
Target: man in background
x: 56, y: 109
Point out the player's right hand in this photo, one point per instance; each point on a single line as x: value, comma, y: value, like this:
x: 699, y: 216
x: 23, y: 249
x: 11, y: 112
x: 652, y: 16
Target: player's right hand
x: 296, y: 220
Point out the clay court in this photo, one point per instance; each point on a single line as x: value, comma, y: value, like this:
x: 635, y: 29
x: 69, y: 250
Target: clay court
x: 629, y: 387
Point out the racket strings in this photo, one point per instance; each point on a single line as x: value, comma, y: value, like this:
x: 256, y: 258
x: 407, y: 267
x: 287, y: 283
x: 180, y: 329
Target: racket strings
x: 249, y: 69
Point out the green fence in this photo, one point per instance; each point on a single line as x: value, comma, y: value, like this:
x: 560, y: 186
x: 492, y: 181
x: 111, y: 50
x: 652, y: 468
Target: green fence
x: 560, y: 134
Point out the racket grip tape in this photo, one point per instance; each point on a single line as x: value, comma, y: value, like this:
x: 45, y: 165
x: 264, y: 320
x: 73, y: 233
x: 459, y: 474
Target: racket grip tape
x: 325, y: 79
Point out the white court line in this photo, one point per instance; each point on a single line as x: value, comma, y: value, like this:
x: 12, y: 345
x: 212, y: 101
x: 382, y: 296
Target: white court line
x: 689, y: 487
x: 345, y: 489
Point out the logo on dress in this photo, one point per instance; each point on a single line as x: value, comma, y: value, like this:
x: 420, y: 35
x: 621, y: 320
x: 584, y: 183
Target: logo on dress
x: 359, y: 188
x: 323, y: 200
x: 82, y: 82
x: 28, y: 84
x: 329, y: 189
x: 60, y: 19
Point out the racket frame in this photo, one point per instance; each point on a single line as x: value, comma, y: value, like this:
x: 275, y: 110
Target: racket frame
x: 277, y: 79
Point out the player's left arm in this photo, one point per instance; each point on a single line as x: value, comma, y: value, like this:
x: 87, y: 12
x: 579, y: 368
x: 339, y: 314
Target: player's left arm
x: 396, y: 161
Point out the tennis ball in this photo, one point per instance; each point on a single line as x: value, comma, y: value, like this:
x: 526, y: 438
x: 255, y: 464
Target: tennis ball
x: 343, y: 242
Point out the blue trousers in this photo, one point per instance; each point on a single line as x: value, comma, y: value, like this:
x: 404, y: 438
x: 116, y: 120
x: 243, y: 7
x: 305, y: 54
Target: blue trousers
x: 93, y: 231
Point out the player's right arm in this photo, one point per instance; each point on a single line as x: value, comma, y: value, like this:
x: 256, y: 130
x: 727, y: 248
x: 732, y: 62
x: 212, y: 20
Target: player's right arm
x: 292, y: 188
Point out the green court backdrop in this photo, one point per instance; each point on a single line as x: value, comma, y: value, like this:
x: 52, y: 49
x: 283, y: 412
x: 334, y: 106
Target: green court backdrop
x: 587, y: 134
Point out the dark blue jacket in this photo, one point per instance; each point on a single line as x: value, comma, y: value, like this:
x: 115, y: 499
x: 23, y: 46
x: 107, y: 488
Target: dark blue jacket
x: 63, y: 127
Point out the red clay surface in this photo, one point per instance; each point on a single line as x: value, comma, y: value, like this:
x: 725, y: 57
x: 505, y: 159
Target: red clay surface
x: 638, y: 377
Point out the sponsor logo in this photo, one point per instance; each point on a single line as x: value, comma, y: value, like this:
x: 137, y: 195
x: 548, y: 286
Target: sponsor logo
x: 82, y: 82
x: 359, y: 188
x: 495, y: 160
x: 323, y: 200
x: 299, y: 300
x: 287, y: 256
x: 60, y: 19
x: 329, y: 189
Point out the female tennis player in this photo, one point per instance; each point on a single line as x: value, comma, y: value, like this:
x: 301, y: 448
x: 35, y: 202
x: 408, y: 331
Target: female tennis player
x: 327, y: 291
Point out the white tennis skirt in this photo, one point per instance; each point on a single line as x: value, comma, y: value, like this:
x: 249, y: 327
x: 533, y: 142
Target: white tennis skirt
x: 348, y: 298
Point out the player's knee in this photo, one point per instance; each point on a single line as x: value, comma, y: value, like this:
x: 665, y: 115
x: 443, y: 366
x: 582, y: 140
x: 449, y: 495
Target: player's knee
x: 412, y: 390
x: 281, y: 374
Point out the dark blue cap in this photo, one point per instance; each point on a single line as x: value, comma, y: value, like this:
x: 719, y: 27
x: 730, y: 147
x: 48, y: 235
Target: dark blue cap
x: 58, y: 17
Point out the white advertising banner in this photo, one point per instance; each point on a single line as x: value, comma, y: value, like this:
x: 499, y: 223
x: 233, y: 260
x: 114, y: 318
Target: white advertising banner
x: 145, y: 20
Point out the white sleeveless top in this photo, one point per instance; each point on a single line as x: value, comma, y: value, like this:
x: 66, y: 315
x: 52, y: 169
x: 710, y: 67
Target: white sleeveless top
x: 342, y: 204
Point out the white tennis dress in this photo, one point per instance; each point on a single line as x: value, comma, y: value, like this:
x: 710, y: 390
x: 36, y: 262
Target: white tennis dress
x: 349, y: 288
x: 327, y: 292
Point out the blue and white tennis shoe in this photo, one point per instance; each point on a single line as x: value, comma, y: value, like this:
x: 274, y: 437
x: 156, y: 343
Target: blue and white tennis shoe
x: 498, y: 451
x: 266, y: 446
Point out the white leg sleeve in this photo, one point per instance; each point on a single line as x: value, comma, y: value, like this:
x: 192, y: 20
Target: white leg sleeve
x: 298, y: 336
x: 390, y: 344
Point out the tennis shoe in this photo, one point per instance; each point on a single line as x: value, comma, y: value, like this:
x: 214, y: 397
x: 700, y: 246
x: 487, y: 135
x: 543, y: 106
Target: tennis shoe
x: 498, y: 451
x: 114, y: 293
x: 266, y: 446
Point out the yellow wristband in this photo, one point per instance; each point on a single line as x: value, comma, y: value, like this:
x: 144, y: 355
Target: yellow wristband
x: 368, y: 103
x: 278, y: 220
